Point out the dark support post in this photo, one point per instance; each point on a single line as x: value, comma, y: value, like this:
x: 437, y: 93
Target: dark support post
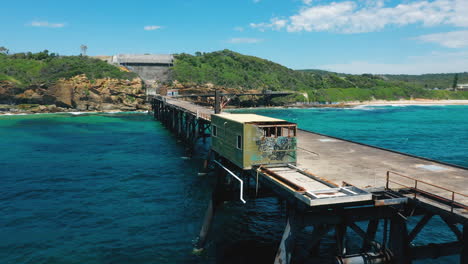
x: 217, y: 106
x: 214, y: 203
x: 399, y: 244
x: 195, y: 131
x: 314, y: 244
x: 205, y: 127
x: 464, y: 252
x: 288, y: 241
x: 340, y: 234
x: 371, y: 230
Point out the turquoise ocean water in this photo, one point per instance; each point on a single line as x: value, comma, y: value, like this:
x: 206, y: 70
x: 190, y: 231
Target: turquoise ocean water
x: 116, y: 188
x: 436, y: 132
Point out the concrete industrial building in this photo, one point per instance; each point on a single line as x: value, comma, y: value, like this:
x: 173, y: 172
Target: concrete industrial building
x: 463, y: 86
x: 153, y: 69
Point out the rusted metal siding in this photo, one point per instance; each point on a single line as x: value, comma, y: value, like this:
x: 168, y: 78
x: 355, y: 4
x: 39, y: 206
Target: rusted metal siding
x: 260, y: 150
x: 225, y: 143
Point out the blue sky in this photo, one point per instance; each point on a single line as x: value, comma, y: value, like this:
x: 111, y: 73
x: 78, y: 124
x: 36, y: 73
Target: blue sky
x: 362, y: 36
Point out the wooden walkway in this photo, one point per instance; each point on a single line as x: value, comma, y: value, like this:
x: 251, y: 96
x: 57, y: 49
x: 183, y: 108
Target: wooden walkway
x: 199, y: 111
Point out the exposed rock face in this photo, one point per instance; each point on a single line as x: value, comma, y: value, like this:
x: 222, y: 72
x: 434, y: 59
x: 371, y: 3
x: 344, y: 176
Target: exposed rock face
x: 7, y: 91
x: 80, y: 93
x: 102, y: 94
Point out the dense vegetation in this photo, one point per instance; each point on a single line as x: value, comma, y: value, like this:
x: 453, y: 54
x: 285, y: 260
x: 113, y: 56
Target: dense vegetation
x: 233, y: 70
x: 26, y: 69
x: 230, y: 69
x: 431, y: 81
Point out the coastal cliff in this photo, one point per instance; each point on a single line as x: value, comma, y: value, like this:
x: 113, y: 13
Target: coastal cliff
x: 47, y: 82
x: 78, y: 93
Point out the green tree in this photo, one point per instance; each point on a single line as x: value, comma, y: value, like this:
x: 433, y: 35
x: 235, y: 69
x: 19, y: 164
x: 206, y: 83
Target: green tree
x: 455, y: 82
x: 3, y: 50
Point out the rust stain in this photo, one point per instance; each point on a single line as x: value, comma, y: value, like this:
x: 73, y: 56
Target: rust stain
x: 270, y: 173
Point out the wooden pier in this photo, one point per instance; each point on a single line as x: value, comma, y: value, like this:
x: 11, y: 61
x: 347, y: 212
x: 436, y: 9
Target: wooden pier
x: 380, y: 187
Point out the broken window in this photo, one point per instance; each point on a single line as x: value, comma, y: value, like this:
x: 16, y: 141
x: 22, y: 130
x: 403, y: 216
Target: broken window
x: 279, y: 131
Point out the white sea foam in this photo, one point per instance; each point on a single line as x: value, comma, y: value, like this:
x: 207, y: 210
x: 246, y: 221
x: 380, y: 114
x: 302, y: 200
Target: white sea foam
x: 72, y: 113
x: 11, y: 114
x: 364, y: 108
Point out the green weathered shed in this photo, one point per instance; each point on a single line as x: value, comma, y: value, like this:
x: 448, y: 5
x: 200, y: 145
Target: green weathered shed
x: 249, y: 139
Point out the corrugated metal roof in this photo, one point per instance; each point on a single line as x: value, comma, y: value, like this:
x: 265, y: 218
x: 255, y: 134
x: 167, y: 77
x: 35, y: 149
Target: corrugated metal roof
x: 249, y: 118
x: 144, y: 58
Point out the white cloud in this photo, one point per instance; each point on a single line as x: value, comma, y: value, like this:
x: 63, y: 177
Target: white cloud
x: 430, y: 63
x: 244, y: 40
x: 368, y: 16
x: 275, y: 24
x: 149, y: 28
x: 240, y: 29
x: 307, y: 2
x: 454, y: 39
x: 46, y: 24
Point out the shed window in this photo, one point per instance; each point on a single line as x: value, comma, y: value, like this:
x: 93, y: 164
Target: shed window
x: 239, y: 142
x: 278, y: 131
x: 215, y: 131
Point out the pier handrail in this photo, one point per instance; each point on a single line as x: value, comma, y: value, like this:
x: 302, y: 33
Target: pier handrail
x: 237, y: 178
x: 452, y: 201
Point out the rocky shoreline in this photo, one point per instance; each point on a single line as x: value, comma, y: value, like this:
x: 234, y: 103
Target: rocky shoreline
x: 74, y: 95
x: 52, y: 109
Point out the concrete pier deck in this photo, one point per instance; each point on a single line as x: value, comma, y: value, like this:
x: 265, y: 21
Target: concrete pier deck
x: 364, y: 166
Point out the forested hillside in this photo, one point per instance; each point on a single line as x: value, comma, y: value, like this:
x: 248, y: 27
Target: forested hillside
x: 25, y: 69
x: 431, y: 81
x: 230, y: 69
x: 22, y: 71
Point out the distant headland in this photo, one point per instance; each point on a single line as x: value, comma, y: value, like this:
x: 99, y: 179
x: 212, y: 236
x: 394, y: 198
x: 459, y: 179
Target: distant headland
x: 48, y: 82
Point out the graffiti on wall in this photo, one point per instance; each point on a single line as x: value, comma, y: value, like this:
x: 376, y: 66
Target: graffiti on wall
x: 279, y: 148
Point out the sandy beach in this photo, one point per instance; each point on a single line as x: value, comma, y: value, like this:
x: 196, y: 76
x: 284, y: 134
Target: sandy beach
x: 410, y: 102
